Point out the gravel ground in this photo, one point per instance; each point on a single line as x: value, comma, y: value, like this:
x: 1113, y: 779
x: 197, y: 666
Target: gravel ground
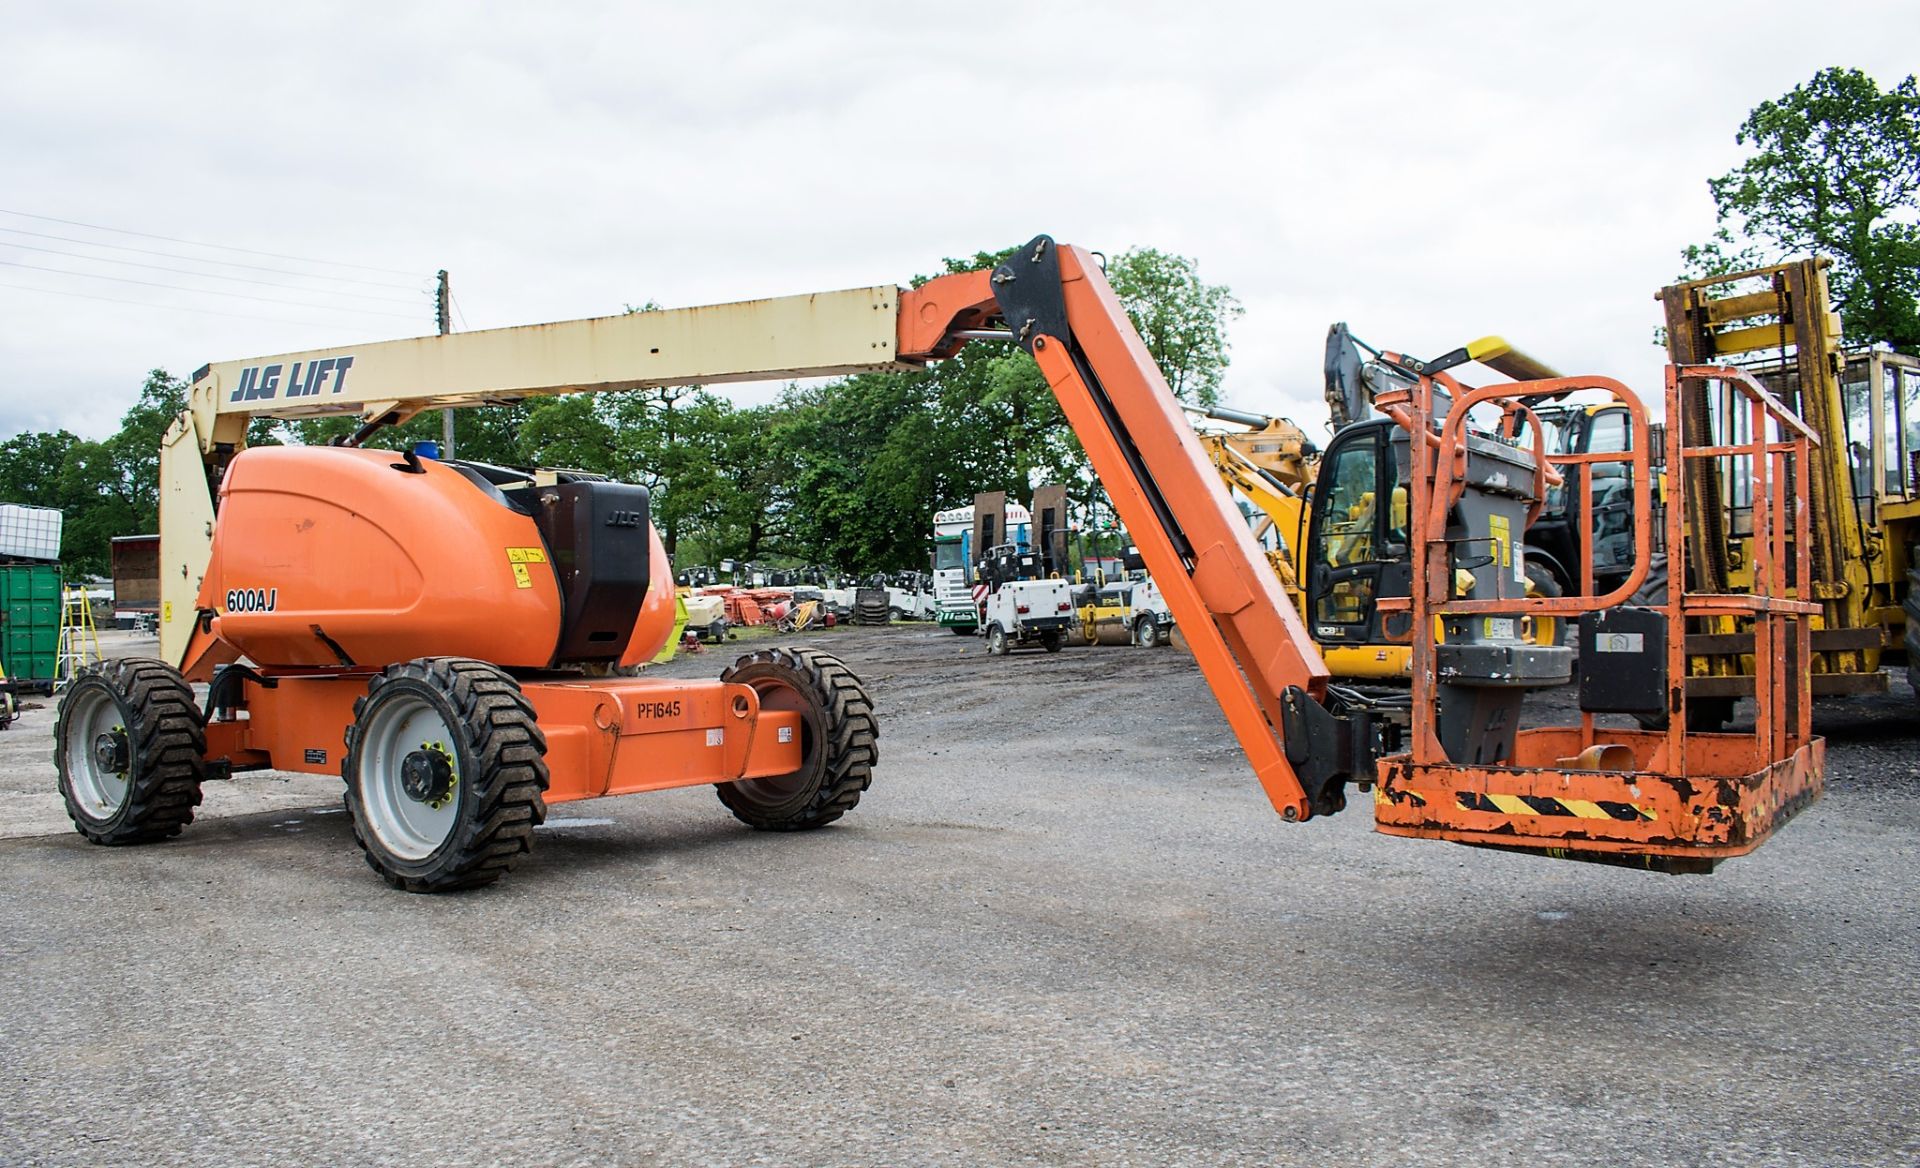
x: 1064, y: 928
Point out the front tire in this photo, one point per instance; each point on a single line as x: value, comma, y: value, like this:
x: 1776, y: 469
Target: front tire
x: 996, y: 641
x: 130, y: 748
x: 839, y: 740
x: 445, y: 771
x: 1145, y: 635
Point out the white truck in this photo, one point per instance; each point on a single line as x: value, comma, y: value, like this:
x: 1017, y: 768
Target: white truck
x: 1022, y: 614
x: 1152, y: 620
x: 953, y: 563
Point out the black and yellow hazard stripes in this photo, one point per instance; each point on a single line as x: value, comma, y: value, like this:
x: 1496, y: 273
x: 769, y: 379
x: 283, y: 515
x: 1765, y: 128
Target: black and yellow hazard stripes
x: 1547, y: 805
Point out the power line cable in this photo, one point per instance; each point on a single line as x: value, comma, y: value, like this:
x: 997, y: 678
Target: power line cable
x: 202, y: 260
x: 196, y: 243
x: 199, y: 275
x: 167, y: 307
x: 455, y: 301
x: 207, y: 291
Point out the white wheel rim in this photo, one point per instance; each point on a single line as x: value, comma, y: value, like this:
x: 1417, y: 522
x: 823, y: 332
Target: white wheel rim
x: 407, y: 827
x: 93, y: 713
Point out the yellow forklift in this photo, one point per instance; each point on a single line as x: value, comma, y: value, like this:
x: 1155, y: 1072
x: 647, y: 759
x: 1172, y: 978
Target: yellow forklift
x: 1777, y: 322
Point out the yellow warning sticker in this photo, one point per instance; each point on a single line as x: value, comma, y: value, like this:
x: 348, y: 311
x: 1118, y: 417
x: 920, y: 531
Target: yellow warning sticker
x: 532, y: 555
x: 521, y: 577
x: 1502, y: 533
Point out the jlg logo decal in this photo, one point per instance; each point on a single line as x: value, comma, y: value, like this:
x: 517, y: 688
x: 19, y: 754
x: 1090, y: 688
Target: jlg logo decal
x: 253, y: 599
x: 263, y: 382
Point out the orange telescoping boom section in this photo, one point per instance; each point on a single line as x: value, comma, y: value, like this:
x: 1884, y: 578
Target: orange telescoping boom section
x: 451, y: 637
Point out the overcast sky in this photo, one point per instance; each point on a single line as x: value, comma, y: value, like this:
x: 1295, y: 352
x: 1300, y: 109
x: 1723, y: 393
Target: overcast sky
x: 1428, y: 172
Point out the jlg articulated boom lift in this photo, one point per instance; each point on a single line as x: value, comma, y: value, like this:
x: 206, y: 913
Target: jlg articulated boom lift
x: 450, y: 624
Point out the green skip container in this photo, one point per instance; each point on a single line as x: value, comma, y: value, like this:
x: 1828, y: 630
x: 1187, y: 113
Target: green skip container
x: 30, y: 622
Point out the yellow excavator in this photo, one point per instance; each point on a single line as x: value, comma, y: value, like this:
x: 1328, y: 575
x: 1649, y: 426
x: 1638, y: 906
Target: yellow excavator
x: 1279, y: 469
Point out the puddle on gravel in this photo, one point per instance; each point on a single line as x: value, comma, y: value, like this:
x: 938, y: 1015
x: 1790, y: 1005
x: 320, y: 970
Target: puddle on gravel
x: 583, y: 821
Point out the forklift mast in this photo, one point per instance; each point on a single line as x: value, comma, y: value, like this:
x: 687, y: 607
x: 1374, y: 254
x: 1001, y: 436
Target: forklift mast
x: 1778, y: 323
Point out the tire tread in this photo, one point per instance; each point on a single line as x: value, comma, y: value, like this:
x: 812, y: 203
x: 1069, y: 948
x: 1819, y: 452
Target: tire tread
x: 851, y: 747
x: 507, y: 747
x: 167, y: 742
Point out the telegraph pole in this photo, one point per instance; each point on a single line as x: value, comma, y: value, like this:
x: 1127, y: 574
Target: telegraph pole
x: 443, y: 317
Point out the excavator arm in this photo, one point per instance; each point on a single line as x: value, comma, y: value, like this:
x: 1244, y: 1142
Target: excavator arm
x: 1053, y: 301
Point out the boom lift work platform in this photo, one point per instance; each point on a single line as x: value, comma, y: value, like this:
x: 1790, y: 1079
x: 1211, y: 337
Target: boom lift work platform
x: 456, y: 626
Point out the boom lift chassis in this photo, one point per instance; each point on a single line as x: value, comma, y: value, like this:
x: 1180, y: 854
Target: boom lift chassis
x: 1451, y: 764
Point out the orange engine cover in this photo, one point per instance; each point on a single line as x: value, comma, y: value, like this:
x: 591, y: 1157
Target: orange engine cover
x: 324, y: 547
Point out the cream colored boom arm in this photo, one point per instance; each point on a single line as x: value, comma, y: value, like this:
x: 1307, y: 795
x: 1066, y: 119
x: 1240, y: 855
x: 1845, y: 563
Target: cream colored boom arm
x: 816, y: 335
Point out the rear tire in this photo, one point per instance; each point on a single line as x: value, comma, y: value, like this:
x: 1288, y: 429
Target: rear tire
x: 130, y: 749
x: 1145, y: 635
x: 445, y: 771
x: 960, y: 631
x: 839, y: 740
x: 1050, y: 641
x: 996, y: 641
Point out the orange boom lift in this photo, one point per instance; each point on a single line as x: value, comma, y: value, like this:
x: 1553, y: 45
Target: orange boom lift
x: 448, y: 636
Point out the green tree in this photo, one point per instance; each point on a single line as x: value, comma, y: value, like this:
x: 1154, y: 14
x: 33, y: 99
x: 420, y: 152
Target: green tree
x: 1182, y: 318
x: 134, y: 450
x: 103, y: 489
x: 30, y: 465
x: 1835, y: 170
x: 874, y: 455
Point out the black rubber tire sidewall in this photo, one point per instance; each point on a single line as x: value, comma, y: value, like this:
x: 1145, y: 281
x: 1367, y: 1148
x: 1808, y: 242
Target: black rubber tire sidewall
x: 466, y: 791
x: 840, y: 741
x: 161, y: 792
x: 472, y: 854
x: 112, y: 824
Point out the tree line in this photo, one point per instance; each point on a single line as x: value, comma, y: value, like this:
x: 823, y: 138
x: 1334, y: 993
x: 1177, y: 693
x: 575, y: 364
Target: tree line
x: 847, y: 473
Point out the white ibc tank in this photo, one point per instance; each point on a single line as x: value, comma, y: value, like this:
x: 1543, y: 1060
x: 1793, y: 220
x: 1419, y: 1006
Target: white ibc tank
x: 29, y: 533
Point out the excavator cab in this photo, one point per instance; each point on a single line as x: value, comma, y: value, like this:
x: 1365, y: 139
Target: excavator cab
x: 1357, y: 549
